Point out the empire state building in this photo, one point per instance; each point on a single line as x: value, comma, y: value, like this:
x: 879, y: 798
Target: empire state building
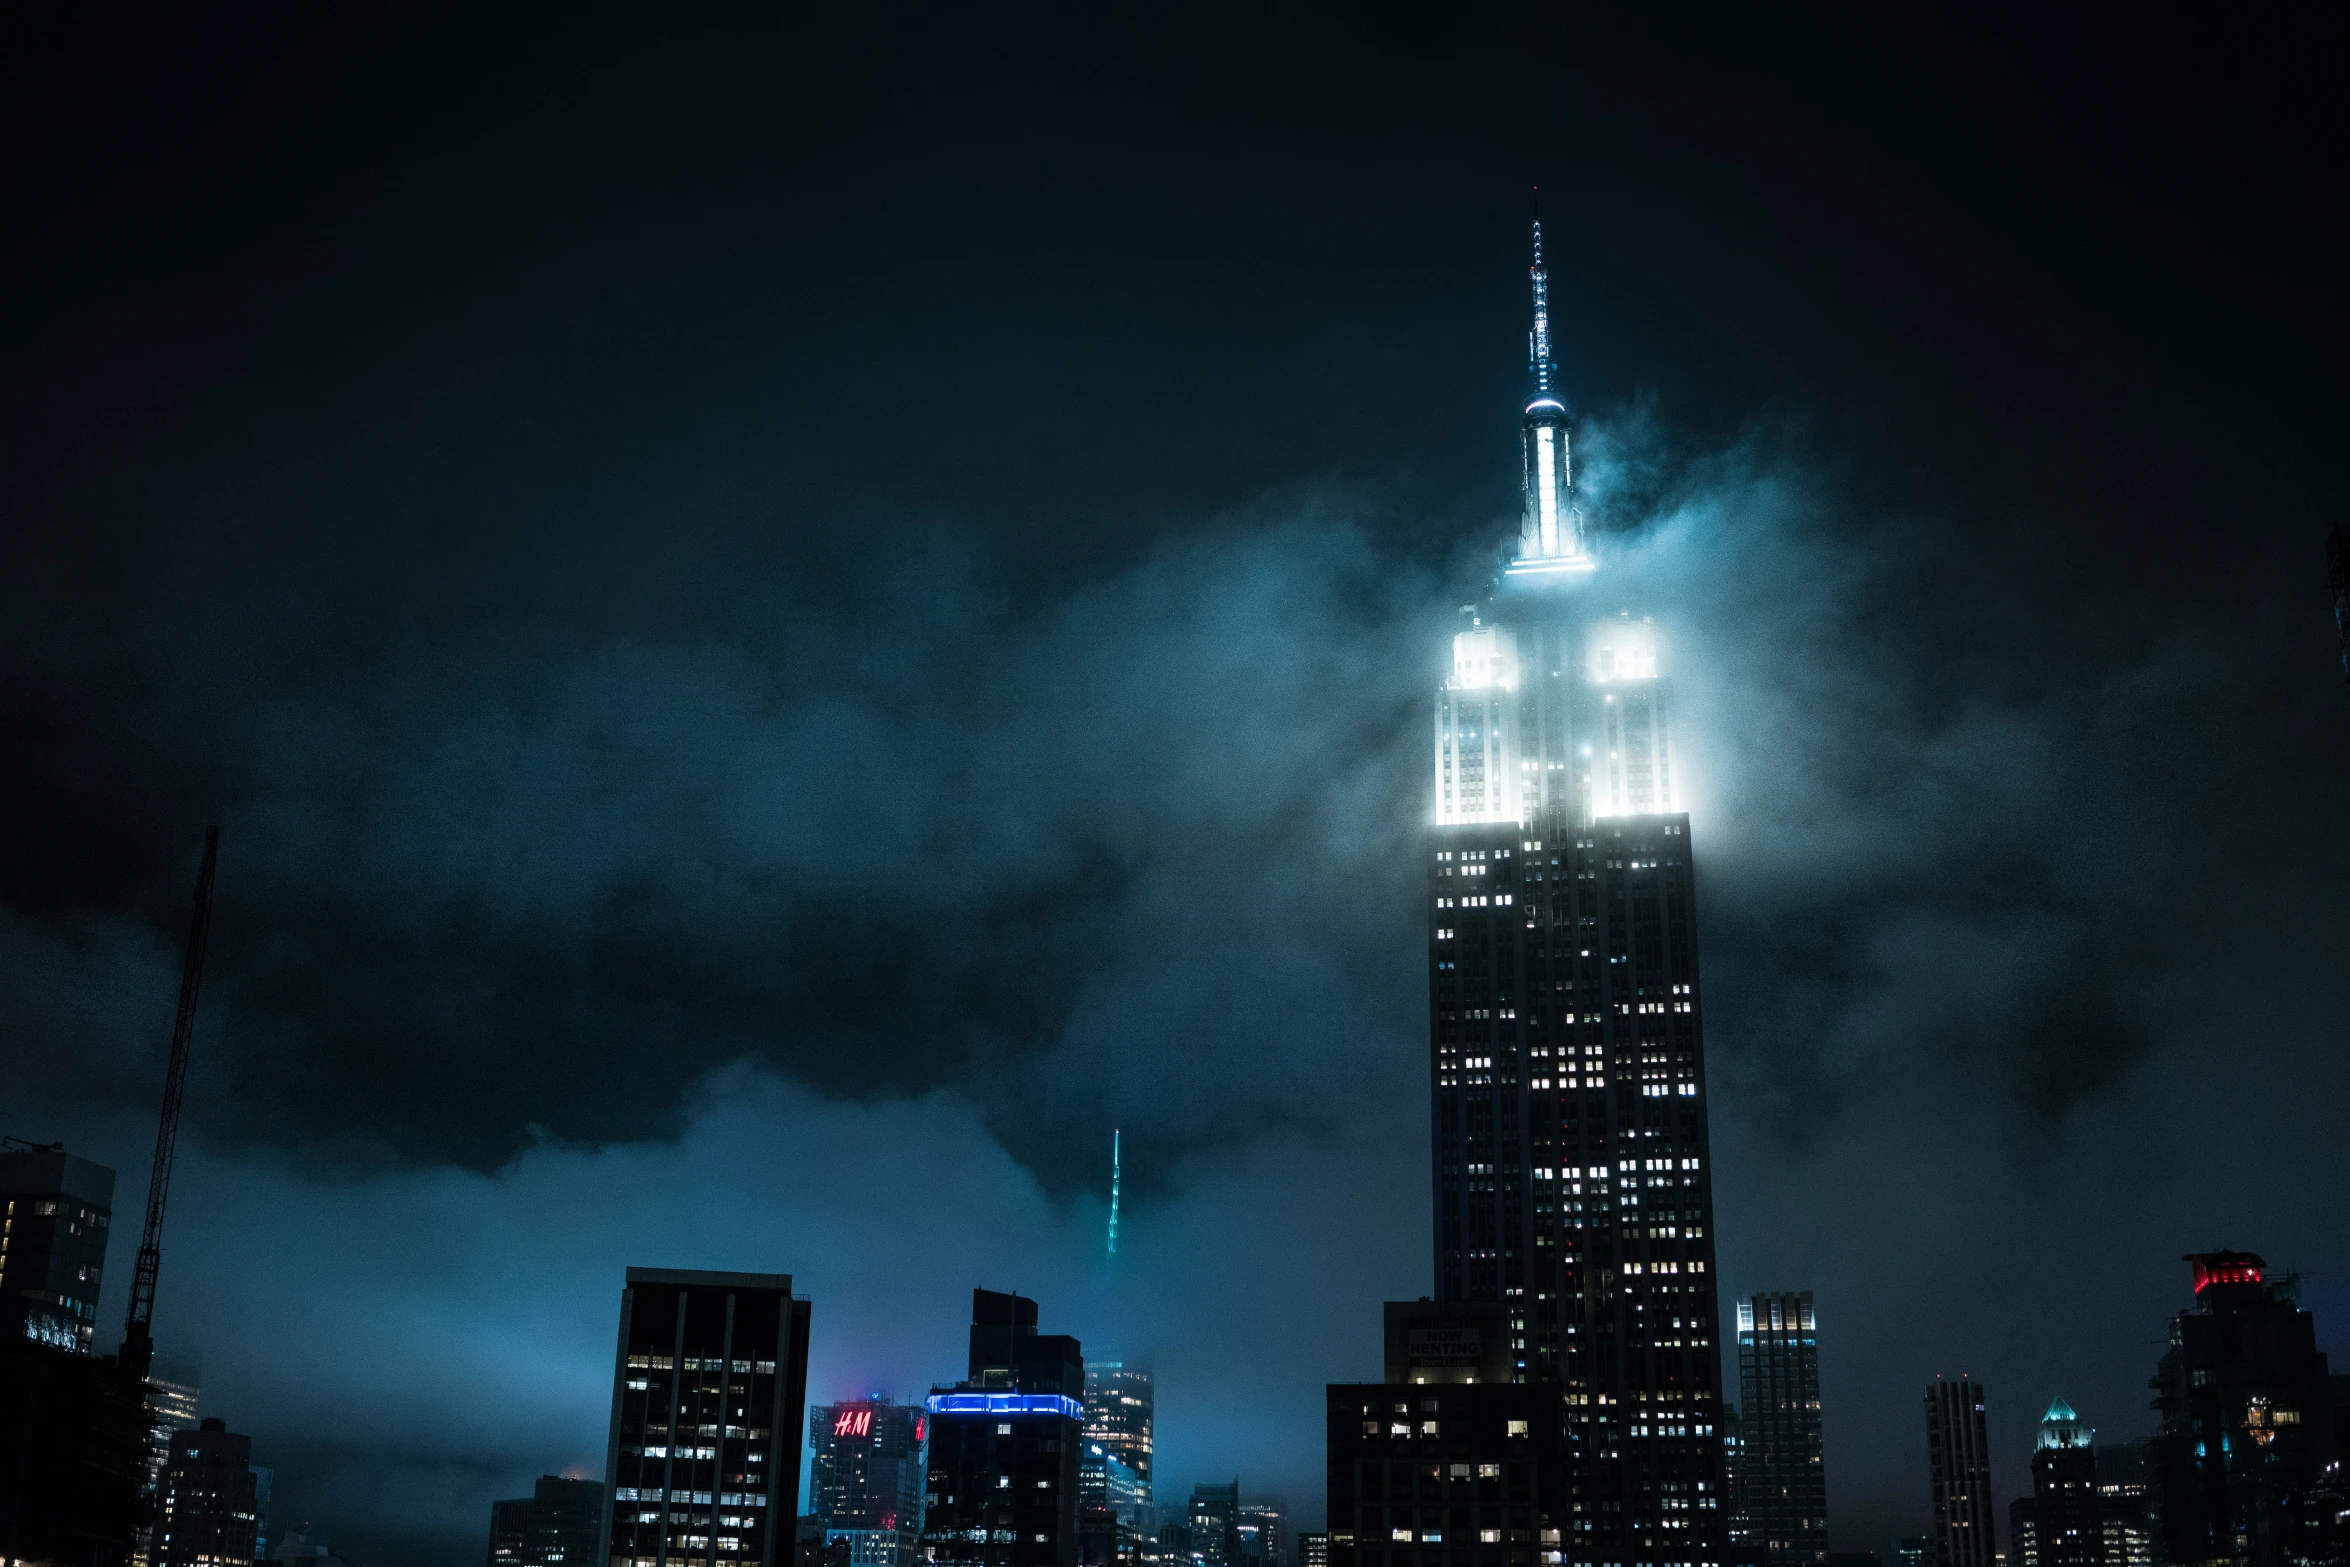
x: 1572, y: 1180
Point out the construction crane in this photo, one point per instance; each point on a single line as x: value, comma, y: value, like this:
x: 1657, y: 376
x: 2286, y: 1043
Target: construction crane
x: 138, y: 1343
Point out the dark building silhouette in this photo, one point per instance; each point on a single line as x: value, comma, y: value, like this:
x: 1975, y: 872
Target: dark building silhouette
x: 1958, y: 1470
x: 208, y: 1508
x: 866, y: 1478
x: 1780, y: 1489
x: 1429, y: 1474
x: 554, y: 1526
x: 2247, y: 1415
x: 1449, y: 1341
x: 709, y: 1388
x: 1741, y: 1545
x: 1004, y: 1445
x: 1571, y: 1175
x: 1914, y: 1550
x: 73, y: 1457
x: 1214, y: 1516
x: 55, y: 1213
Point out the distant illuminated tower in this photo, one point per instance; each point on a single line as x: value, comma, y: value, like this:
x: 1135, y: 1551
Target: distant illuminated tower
x: 1958, y: 1466
x: 1120, y: 1410
x: 1572, y: 1180
x: 1113, y: 1191
x: 1781, y: 1485
x: 2068, y: 1522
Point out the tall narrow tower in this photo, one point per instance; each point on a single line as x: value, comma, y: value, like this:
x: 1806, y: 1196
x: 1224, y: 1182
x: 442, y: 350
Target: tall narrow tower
x: 1572, y: 1178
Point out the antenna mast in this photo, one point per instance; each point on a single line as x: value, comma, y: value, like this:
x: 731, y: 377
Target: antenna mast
x: 1113, y: 1191
x: 138, y: 1343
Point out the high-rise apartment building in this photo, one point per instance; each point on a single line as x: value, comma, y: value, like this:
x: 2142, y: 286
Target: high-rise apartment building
x: 708, y: 1390
x: 2247, y: 1405
x: 55, y: 1213
x: 1004, y: 1445
x: 207, y: 1511
x: 1958, y: 1471
x: 1115, y: 1468
x: 1572, y: 1179
x: 1780, y: 1487
x: 866, y: 1477
x: 554, y: 1526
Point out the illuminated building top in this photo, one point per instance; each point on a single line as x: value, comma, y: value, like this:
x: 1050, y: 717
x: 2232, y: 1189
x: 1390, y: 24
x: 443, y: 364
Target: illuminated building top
x: 1550, y: 532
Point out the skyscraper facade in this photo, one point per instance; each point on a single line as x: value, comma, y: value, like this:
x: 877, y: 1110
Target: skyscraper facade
x: 2246, y: 1402
x: 1004, y: 1445
x: 708, y: 1391
x: 1572, y: 1179
x: 55, y: 1214
x: 2068, y: 1523
x: 1115, y: 1468
x: 1781, y: 1489
x: 206, y: 1511
x: 554, y: 1526
x: 866, y: 1477
x: 1958, y: 1472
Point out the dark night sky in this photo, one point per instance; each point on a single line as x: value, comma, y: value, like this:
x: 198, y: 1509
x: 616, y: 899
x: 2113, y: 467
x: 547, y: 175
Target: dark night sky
x: 789, y: 620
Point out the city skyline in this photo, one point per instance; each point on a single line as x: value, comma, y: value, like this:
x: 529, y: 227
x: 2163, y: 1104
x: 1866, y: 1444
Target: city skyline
x: 798, y: 632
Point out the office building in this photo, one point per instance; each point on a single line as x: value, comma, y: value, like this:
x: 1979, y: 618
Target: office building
x: 554, y: 1526
x: 207, y: 1510
x: 708, y: 1391
x: 2023, y: 1534
x: 1004, y: 1445
x: 2126, y: 1474
x: 866, y: 1477
x: 173, y: 1388
x: 2247, y: 1414
x: 1115, y: 1468
x: 2066, y: 1520
x: 1447, y: 1474
x: 1313, y: 1550
x: 1571, y: 1175
x: 55, y: 1213
x: 1261, y: 1538
x: 1958, y: 1473
x: 1780, y: 1488
x: 1214, y: 1516
x: 1913, y: 1550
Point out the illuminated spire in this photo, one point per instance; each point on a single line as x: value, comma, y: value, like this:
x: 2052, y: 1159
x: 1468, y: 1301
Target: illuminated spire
x: 1113, y: 1191
x: 1538, y: 340
x: 1550, y: 534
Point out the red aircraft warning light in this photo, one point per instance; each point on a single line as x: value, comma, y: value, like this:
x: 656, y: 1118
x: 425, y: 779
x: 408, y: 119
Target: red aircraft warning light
x: 2225, y: 1267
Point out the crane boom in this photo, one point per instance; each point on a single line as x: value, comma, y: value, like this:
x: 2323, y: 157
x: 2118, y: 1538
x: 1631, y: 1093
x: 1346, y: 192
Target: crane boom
x: 138, y: 1344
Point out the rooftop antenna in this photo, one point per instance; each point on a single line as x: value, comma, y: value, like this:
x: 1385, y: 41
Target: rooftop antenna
x: 1538, y: 340
x: 1113, y: 1193
x: 138, y: 1342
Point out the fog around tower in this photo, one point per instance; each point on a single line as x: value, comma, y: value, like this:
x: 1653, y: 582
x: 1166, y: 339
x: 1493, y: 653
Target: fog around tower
x: 834, y: 933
